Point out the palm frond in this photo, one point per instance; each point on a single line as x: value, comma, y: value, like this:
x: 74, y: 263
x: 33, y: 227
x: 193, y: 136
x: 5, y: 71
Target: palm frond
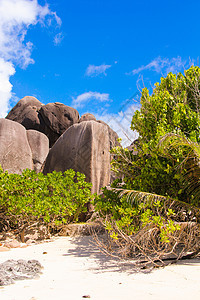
x: 181, y: 208
x: 136, y: 197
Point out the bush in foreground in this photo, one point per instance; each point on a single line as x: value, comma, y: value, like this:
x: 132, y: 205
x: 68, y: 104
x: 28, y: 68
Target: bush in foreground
x: 54, y: 199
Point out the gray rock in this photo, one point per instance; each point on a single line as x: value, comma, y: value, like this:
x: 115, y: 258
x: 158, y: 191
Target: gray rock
x: 57, y: 118
x: 83, y: 147
x: 113, y: 136
x: 15, y: 152
x: 51, y: 119
x: 12, y: 270
x: 39, y: 144
x: 87, y: 117
x: 26, y: 112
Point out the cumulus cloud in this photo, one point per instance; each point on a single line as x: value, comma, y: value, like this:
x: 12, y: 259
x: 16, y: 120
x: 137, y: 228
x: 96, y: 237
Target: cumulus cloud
x: 160, y: 65
x: 93, y: 71
x: 16, y: 16
x: 6, y: 70
x: 121, y: 123
x: 85, y: 98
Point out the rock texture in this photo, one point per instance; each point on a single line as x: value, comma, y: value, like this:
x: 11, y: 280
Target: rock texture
x: 57, y: 118
x: 26, y: 113
x: 39, y: 144
x: 20, y: 148
x: 15, y: 152
x: 83, y: 147
x: 51, y: 119
x: 12, y: 270
x: 87, y: 117
x: 113, y: 136
x: 80, y: 148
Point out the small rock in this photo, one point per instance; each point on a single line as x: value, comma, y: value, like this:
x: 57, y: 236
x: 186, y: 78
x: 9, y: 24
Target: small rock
x: 12, y: 270
x: 12, y: 244
x: 86, y: 296
x: 30, y: 241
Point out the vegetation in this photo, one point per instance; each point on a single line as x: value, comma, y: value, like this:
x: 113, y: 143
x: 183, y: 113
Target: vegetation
x: 53, y: 199
x: 146, y: 211
x: 172, y: 108
x: 152, y: 210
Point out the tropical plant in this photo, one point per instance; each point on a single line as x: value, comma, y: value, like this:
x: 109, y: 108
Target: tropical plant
x: 157, y: 227
x: 53, y: 199
x: 152, y: 209
x: 173, y: 107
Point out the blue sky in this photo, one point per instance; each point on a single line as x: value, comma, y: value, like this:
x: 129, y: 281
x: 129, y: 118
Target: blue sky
x: 93, y: 55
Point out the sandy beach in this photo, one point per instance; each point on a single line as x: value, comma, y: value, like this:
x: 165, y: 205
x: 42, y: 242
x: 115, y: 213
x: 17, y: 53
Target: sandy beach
x: 73, y: 268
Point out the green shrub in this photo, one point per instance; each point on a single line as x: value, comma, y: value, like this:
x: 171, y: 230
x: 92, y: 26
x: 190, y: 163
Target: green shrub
x: 172, y: 108
x: 55, y: 198
x: 129, y: 218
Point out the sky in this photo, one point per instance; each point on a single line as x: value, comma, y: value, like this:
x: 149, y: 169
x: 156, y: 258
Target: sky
x: 94, y: 55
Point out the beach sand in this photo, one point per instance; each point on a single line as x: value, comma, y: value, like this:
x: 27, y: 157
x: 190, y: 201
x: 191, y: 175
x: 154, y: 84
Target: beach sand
x: 73, y: 268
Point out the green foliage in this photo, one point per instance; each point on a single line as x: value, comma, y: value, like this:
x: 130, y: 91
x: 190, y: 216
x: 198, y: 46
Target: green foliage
x: 118, y: 209
x: 173, y: 107
x: 189, y: 167
x: 161, y: 172
x: 130, y: 214
x: 55, y: 198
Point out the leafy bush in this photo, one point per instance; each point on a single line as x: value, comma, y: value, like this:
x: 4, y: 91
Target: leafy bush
x: 173, y: 107
x: 148, y: 217
x: 55, y: 198
x: 129, y: 217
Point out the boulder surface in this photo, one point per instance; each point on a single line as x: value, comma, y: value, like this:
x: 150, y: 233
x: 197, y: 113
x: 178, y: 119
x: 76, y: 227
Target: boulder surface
x: 83, y: 147
x: 39, y: 144
x: 51, y: 119
x: 15, y: 152
x: 57, y: 118
x: 87, y: 117
x: 26, y: 113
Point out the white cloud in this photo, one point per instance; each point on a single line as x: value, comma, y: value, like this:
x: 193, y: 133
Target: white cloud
x: 121, y: 123
x: 6, y: 70
x: 93, y: 71
x: 160, y: 65
x: 15, y: 18
x: 58, y: 38
x: 84, y: 98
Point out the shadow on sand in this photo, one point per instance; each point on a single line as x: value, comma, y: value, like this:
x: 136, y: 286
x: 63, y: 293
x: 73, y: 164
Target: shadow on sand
x: 85, y: 246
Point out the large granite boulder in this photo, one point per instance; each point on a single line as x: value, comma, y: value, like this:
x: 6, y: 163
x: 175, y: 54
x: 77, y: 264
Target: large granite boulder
x: 39, y: 144
x: 57, y: 118
x: 113, y: 136
x: 15, y: 152
x: 83, y: 147
x: 87, y: 117
x: 51, y: 119
x: 20, y: 148
x: 26, y: 113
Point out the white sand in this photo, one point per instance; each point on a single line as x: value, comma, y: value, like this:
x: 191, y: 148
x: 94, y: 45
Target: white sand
x: 74, y: 268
